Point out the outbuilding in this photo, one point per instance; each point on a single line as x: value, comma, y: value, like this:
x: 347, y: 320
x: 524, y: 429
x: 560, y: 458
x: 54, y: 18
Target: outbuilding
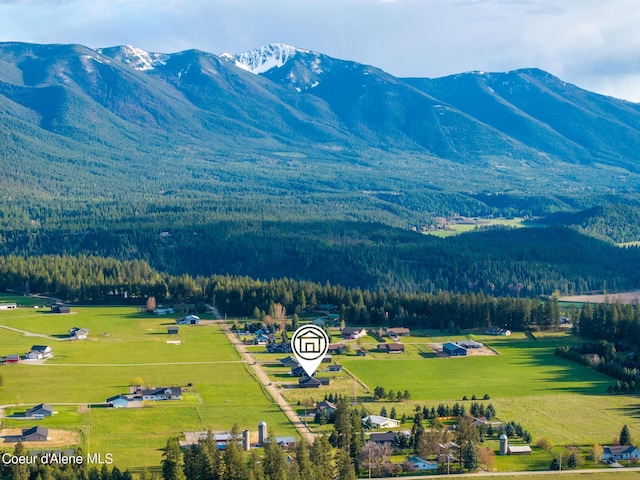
x: 35, y: 434
x: 454, y: 350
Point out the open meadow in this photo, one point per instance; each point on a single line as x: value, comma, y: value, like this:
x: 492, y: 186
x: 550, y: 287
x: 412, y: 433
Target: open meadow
x: 124, y: 345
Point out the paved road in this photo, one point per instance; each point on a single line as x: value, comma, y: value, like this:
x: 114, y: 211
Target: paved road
x: 302, y: 428
x: 609, y: 471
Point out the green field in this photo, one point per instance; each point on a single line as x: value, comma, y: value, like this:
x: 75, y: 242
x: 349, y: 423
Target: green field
x: 459, y: 228
x: 124, y: 344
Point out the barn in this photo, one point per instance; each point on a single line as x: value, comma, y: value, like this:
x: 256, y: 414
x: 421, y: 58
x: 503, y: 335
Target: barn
x: 454, y: 350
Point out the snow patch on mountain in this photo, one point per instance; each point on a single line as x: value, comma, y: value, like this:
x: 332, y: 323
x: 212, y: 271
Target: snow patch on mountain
x: 265, y: 58
x: 136, y: 58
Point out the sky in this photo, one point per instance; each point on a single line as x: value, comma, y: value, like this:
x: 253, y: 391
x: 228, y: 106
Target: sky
x: 594, y: 44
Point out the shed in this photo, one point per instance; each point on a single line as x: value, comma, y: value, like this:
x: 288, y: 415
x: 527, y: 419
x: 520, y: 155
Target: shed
x: 172, y: 330
x: 518, y: 450
x: 60, y: 308
x: 454, y: 350
x: 12, y: 359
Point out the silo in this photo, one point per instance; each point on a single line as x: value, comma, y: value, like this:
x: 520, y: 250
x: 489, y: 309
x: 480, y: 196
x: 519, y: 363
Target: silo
x: 246, y: 440
x: 262, y: 433
x: 504, y: 444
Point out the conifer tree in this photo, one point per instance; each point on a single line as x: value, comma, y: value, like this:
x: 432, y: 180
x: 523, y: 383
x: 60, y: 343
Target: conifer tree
x: 171, y: 461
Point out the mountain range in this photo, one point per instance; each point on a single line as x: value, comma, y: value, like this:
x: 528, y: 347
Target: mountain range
x: 121, y: 121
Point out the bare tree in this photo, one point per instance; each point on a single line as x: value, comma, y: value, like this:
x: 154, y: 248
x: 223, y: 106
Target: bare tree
x: 376, y: 457
x: 280, y: 316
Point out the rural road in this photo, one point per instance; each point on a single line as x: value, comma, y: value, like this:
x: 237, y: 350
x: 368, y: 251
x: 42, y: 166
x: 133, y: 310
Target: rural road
x: 610, y: 471
x: 302, y: 428
x: 31, y: 334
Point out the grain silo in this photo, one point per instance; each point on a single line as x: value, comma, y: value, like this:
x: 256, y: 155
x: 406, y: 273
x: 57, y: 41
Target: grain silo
x: 504, y: 444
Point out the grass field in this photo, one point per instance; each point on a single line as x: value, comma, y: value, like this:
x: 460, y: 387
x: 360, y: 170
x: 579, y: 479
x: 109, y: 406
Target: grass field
x: 459, y: 228
x: 89, y: 371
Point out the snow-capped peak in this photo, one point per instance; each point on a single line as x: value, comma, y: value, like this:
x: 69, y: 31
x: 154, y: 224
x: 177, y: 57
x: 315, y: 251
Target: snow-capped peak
x: 263, y: 59
x: 136, y: 58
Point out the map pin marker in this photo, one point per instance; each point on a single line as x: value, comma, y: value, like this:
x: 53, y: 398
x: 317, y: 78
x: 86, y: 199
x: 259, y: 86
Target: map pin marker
x: 310, y: 344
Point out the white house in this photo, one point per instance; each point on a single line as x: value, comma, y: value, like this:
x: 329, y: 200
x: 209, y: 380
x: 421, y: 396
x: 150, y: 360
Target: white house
x: 378, y: 421
x: 189, y: 320
x: 77, y: 333
x: 39, y: 351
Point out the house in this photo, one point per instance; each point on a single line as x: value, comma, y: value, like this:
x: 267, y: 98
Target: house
x: 327, y: 359
x: 278, y: 348
x: 286, y: 443
x: 8, y: 306
x: 353, y: 333
x: 309, y: 382
x: 189, y: 320
x: 334, y: 367
x: 60, y: 308
x: 620, y: 452
x: 289, y: 361
x: 386, y: 437
x: 391, y: 347
x: 361, y: 353
x: 261, y: 340
x: 497, y: 331
x: 320, y: 321
x: 161, y: 393
x: 377, y: 421
x: 172, y: 330
x: 40, y: 351
x: 76, y: 333
x: 35, y: 434
x: 454, y: 350
x: 12, y: 359
x: 327, y: 407
x: 397, y: 332
x: 337, y: 349
x: 119, y: 401
x: 469, y: 344
x: 42, y: 410
x: 518, y: 450
x: 422, y: 464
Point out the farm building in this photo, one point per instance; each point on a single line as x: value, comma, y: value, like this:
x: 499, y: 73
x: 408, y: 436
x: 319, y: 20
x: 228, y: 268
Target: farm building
x: 298, y: 371
x: 335, y: 367
x: 76, y: 333
x: 518, y: 450
x: 620, y: 452
x: 454, y: 350
x: 378, y: 421
x: 8, y: 306
x: 119, y: 401
x: 12, y: 359
x: 172, y: 330
x: 42, y: 410
x: 391, y: 347
x: 35, y: 434
x: 40, y: 351
x: 189, y: 320
x: 60, y: 308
